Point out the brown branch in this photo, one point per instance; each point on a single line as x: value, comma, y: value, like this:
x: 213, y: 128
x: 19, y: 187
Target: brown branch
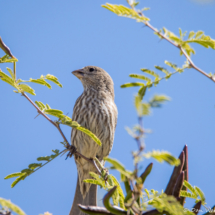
x: 175, y: 174
x: 5, y: 48
x: 176, y: 45
x: 72, y: 150
x: 197, y: 207
x: 178, y: 185
x: 185, y: 170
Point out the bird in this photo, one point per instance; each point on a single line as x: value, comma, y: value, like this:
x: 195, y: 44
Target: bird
x: 95, y: 110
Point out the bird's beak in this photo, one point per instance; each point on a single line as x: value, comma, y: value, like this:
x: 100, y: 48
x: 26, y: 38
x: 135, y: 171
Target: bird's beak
x: 78, y: 73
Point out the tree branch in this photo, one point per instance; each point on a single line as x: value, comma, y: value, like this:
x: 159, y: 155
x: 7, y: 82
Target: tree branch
x: 177, y: 46
x: 72, y: 150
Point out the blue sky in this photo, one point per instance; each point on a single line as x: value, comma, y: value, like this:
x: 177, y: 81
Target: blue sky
x: 57, y: 37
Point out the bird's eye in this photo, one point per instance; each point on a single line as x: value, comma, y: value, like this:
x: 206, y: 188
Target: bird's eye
x: 91, y: 69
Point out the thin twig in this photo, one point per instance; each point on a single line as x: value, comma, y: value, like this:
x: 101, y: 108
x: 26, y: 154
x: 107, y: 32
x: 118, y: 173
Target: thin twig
x: 174, y: 44
x: 48, y: 162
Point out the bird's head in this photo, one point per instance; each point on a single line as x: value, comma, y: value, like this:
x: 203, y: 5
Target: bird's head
x: 93, y: 77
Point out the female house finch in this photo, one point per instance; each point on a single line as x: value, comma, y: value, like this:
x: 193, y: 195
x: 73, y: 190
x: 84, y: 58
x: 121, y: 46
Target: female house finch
x: 95, y: 110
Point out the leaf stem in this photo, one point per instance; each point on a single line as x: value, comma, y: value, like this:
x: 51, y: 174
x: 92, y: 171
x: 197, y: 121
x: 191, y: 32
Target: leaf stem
x: 14, y: 70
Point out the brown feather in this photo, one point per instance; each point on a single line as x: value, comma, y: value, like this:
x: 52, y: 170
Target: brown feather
x: 95, y: 110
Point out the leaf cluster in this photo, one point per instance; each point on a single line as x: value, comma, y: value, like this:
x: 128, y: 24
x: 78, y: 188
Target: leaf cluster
x: 33, y: 167
x: 195, y: 193
x: 140, y: 200
x: 21, y: 88
x: 157, y: 78
x: 121, y: 10
x: 193, y: 37
x: 144, y: 108
x: 118, y: 196
x: 7, y: 204
x: 66, y: 120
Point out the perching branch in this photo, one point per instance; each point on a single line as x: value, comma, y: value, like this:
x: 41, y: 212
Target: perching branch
x: 177, y: 46
x: 72, y: 150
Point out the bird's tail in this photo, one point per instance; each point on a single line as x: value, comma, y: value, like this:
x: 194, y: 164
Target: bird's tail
x: 90, y: 199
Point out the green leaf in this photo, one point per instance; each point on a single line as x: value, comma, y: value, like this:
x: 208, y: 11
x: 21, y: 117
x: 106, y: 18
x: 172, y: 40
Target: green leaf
x: 53, y: 79
x: 145, y: 174
x: 115, y: 197
x: 142, y: 92
x: 180, y: 33
x: 137, y: 103
x: 162, y: 69
x: 142, y: 77
x: 143, y: 109
x: 40, y: 81
x: 200, y: 194
x: 191, y: 34
x: 186, y: 194
x: 190, y: 187
x: 157, y: 100
x: 11, y: 73
x: 187, y: 48
x: 98, y: 179
x: 89, y: 133
x: 118, y: 166
x: 92, y: 181
x: 172, y: 36
x: 162, y: 156
x: 174, y: 66
x: 44, y: 158
x: 40, y: 105
x: 4, y: 77
x: 8, y: 204
x: 27, y: 89
x: 195, y: 192
x: 202, y: 42
x: 16, y: 174
x: 34, y: 165
x: 150, y: 72
x: 28, y: 171
x: 199, y: 33
x: 18, y: 180
x: 116, y: 183
x: 5, y: 57
x: 202, y: 39
x: 48, y: 107
x: 56, y: 151
x: 168, y: 204
x: 54, y: 112
x: 121, y: 10
x: 147, y: 193
x: 136, y: 84
x: 135, y: 4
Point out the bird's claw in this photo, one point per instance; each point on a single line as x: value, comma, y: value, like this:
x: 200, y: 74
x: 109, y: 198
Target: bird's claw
x: 72, y: 149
